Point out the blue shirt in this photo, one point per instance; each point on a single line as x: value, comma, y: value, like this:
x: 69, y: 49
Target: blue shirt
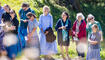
x: 23, y: 16
x: 1, y: 12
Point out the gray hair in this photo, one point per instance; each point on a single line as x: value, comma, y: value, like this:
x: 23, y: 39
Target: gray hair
x: 80, y: 15
x: 91, y: 16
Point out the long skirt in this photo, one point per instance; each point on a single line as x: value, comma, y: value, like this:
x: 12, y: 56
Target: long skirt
x: 46, y: 47
x: 22, y: 33
x: 93, y: 54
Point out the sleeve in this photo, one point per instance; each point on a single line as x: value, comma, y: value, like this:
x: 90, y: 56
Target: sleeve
x: 99, y: 26
x: 88, y: 27
x: 17, y: 24
x: 35, y: 24
x: 2, y: 17
x: 19, y: 12
x: 73, y: 28
x: 51, y: 23
x: 98, y: 37
x: 57, y: 25
x: 69, y: 25
x: 33, y: 11
x: 40, y: 21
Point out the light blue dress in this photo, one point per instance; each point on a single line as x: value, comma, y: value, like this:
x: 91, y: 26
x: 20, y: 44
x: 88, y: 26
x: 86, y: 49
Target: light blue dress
x: 34, y: 39
x: 44, y: 23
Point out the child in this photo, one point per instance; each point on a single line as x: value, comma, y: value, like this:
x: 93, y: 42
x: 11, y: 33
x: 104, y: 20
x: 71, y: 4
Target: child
x: 94, y: 44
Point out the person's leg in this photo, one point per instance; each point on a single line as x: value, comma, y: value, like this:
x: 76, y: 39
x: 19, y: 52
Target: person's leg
x: 66, y: 48
x: 62, y: 52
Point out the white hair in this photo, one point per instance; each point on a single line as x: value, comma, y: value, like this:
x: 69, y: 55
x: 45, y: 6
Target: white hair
x: 46, y: 7
x: 91, y: 16
x: 80, y: 15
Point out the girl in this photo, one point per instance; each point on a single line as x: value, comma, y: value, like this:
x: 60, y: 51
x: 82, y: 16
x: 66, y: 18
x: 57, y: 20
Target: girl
x: 62, y: 27
x: 33, y: 39
x: 94, y: 44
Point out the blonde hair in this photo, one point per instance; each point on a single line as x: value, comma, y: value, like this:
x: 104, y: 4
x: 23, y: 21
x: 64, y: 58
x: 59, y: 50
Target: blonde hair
x: 80, y: 15
x: 46, y: 8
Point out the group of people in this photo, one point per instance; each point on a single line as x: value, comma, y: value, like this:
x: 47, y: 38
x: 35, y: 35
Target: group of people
x: 28, y: 36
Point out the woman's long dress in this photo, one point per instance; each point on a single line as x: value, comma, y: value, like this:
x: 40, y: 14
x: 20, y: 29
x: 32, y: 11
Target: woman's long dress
x: 44, y: 23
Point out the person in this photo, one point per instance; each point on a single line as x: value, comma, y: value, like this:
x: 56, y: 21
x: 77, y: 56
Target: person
x: 46, y: 21
x: 90, y: 22
x: 62, y: 27
x: 6, y: 16
x: 33, y: 39
x: 24, y: 23
x: 12, y: 50
x: 1, y: 30
x: 79, y: 32
x: 94, y: 44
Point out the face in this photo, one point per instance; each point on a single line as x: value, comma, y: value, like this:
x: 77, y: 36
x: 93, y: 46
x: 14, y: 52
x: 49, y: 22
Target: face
x: 79, y: 18
x: 12, y: 14
x: 91, y: 20
x: 46, y: 11
x: 31, y: 18
x: 25, y: 8
x: 94, y: 29
x: 6, y: 9
x: 64, y: 16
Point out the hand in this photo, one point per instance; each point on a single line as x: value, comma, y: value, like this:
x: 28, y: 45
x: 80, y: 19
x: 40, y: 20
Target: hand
x: 11, y: 28
x: 87, y: 20
x: 29, y: 38
x: 63, y: 27
x: 25, y: 21
x: 46, y: 32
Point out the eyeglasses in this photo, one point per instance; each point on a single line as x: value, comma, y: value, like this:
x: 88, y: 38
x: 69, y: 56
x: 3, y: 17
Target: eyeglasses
x: 11, y: 12
x: 90, y: 18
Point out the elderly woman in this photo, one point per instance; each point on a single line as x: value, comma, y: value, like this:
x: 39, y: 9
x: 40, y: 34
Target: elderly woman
x: 79, y: 31
x: 62, y: 27
x: 46, y: 21
x: 90, y: 22
x: 94, y: 44
x: 24, y: 22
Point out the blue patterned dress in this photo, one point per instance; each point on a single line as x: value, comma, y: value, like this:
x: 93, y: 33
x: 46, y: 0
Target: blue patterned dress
x: 94, y: 50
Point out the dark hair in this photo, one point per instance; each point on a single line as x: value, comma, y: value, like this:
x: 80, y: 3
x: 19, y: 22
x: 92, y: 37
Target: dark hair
x: 66, y: 14
x: 30, y: 14
x: 25, y: 5
x: 7, y: 6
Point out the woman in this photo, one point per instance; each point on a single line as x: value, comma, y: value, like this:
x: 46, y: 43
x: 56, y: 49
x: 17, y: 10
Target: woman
x: 33, y: 39
x: 94, y: 44
x: 24, y: 22
x: 46, y: 21
x: 62, y: 27
x: 6, y: 16
x: 90, y: 22
x: 13, y: 50
x: 79, y: 31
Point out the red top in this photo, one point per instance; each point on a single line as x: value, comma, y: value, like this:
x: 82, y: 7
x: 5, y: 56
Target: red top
x: 82, y: 29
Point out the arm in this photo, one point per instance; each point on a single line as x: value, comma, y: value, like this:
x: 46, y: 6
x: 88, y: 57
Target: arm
x: 40, y: 23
